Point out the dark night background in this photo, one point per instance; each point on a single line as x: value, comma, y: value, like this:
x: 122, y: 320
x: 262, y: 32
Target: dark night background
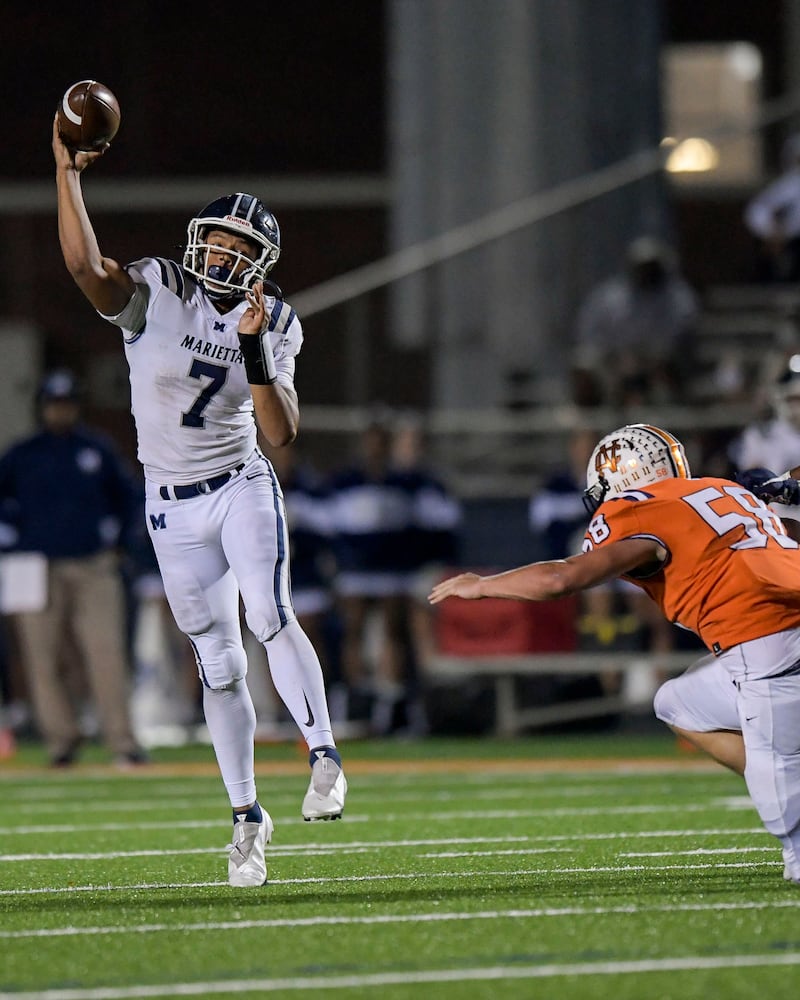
x: 273, y: 89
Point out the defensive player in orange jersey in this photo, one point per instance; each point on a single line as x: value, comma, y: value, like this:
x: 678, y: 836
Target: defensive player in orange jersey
x: 717, y: 561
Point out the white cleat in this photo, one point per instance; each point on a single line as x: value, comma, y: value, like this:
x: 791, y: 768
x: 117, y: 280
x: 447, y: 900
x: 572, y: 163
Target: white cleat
x: 247, y: 865
x: 326, y: 791
x: 791, y: 870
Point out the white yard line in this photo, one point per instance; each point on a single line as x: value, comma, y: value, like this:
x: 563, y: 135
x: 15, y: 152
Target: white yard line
x: 301, y: 852
x: 102, y: 776
x: 284, y: 800
x: 401, y: 918
x: 533, y: 850
x: 184, y: 824
x: 364, y: 846
x: 438, y: 816
x: 695, y: 852
x: 64, y: 799
x: 113, y: 855
x: 685, y: 963
x: 423, y: 875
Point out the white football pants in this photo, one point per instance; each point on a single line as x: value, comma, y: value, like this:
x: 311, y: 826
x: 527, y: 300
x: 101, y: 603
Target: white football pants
x: 211, y: 548
x: 753, y: 688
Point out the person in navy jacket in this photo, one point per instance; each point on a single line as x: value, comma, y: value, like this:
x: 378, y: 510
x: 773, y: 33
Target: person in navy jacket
x: 70, y: 503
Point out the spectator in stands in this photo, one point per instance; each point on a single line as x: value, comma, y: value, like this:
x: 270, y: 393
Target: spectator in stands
x: 71, y: 501
x: 773, y: 441
x: 432, y: 545
x: 433, y: 531
x: 369, y: 513
x: 634, y: 330
x: 556, y: 513
x: 773, y: 219
x: 372, y: 516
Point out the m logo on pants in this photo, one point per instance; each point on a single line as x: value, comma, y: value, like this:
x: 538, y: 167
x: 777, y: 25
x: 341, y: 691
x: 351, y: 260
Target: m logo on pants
x: 158, y: 521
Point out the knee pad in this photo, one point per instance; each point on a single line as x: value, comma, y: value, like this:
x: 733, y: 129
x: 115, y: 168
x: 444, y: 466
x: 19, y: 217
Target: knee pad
x: 701, y: 700
x: 667, y: 705
x: 221, y: 661
x: 265, y: 618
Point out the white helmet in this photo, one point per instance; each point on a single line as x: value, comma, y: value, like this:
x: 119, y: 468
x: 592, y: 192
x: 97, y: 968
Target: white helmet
x: 632, y: 457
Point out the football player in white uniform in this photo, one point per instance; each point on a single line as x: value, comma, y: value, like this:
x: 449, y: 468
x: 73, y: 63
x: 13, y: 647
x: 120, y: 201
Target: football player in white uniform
x: 208, y: 349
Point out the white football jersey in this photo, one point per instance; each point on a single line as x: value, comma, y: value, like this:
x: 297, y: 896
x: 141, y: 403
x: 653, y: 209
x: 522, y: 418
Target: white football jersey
x: 774, y: 445
x: 190, y: 397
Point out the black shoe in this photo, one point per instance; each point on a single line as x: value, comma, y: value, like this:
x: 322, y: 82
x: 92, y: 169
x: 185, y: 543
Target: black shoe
x: 133, y: 758
x: 67, y: 757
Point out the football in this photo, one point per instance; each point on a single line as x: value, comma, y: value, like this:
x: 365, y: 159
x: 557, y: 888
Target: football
x: 88, y: 116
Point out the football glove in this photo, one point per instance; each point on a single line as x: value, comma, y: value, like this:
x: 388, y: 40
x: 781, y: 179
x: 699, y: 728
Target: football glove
x: 769, y: 487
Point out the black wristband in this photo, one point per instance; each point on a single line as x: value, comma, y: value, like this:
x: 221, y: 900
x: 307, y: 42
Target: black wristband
x: 256, y: 366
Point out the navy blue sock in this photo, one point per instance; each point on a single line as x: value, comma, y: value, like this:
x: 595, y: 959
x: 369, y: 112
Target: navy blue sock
x: 253, y: 815
x: 331, y: 752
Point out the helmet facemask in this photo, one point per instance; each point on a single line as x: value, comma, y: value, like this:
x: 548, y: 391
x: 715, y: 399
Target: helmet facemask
x: 221, y: 282
x: 631, y: 458
x: 245, y: 217
x: 594, y: 495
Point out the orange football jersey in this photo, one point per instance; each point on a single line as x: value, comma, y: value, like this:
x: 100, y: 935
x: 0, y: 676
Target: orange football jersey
x: 731, y: 573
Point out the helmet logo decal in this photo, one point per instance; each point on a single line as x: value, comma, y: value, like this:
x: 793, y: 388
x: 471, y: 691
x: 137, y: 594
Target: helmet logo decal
x: 607, y: 457
x: 242, y: 223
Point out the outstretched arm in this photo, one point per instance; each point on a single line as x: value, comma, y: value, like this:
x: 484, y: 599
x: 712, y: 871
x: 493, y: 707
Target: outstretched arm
x: 544, y: 581
x: 276, y: 409
x: 104, y: 283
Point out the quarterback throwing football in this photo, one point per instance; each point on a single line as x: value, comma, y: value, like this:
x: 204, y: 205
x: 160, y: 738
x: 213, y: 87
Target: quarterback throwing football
x: 208, y: 349
x: 717, y: 561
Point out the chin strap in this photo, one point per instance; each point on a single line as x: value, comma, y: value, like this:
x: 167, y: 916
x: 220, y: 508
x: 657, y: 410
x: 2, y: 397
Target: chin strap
x: 595, y: 495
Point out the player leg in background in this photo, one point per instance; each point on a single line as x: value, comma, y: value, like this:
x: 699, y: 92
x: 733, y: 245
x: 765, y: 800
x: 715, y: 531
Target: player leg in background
x: 375, y: 649
x: 354, y: 609
x: 396, y: 677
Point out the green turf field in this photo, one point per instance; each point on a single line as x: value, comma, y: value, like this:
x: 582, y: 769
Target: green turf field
x: 558, y: 867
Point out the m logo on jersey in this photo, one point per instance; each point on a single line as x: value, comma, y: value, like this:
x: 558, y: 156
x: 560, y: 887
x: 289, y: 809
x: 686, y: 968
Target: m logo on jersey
x: 607, y: 457
x: 218, y: 326
x: 158, y: 521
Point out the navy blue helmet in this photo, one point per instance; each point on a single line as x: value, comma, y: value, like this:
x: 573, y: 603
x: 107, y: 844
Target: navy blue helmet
x: 244, y: 216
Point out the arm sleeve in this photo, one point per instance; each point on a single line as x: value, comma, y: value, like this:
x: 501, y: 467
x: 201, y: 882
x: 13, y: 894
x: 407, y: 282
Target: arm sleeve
x: 132, y: 317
